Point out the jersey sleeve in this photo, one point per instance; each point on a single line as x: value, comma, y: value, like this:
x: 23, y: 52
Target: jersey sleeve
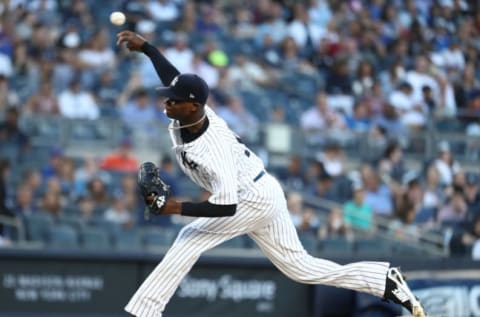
x: 224, y: 183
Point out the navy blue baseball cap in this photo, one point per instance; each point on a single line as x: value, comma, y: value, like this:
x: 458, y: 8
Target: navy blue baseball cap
x: 186, y: 87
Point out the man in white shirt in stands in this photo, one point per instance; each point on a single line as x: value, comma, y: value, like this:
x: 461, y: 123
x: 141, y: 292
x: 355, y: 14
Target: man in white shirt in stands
x: 77, y: 104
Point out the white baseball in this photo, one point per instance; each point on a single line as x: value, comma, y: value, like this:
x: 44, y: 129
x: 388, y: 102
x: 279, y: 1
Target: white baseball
x: 117, y: 18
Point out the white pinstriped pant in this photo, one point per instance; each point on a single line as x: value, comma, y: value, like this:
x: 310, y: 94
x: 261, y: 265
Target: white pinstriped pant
x: 266, y: 220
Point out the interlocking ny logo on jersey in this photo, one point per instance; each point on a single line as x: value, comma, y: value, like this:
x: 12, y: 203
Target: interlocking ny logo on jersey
x: 188, y: 163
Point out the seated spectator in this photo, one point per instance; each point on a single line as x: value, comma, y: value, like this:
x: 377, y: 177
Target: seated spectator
x: 378, y: 195
x: 139, y: 113
x: 162, y: 10
x: 476, y: 240
x: 455, y: 211
x: 97, y: 54
x: 107, y: 93
x: 51, y: 204
x: 76, y: 103
x: 295, y: 207
x: 356, y: 214
x: 97, y: 192
x: 320, y: 118
x: 247, y: 74
x: 412, y: 112
x: 66, y: 177
x: 359, y: 121
x: 472, y: 196
x: 293, y: 175
x: 54, y: 163
x: 335, y: 226
x: 392, y: 163
x: 333, y: 159
x: 121, y: 160
x: 24, y: 204
x: 33, y: 180
x: 4, y: 176
x: 309, y: 223
x: 180, y: 54
x: 45, y: 102
x: 10, y: 131
x: 434, y: 195
x: 403, y: 227
x: 391, y: 123
x: 118, y: 213
x: 168, y: 174
x: 86, y: 208
x: 89, y: 170
x: 8, y: 96
x: 445, y: 163
x: 324, y: 188
x: 239, y: 119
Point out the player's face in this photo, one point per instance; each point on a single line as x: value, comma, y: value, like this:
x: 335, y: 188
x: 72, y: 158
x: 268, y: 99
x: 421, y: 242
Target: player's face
x: 179, y: 110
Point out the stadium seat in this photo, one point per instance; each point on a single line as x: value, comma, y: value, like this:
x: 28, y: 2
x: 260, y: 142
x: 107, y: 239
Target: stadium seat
x: 235, y: 243
x: 372, y: 247
x: 157, y: 237
x: 94, y: 239
x: 309, y: 242
x: 37, y: 226
x: 127, y: 240
x: 336, y: 247
x: 73, y: 221
x: 62, y: 237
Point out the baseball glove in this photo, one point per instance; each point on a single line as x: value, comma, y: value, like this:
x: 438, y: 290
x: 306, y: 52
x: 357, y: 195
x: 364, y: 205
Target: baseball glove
x: 153, y: 189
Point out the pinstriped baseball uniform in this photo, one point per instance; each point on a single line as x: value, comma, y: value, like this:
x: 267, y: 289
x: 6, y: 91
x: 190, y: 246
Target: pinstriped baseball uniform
x: 222, y: 165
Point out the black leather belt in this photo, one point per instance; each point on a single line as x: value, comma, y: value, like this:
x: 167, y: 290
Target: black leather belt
x: 259, y: 176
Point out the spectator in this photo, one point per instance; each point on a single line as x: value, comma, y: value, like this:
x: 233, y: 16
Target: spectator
x: 338, y: 79
x: 302, y: 30
x: 476, y: 240
x: 412, y: 111
x: 247, y: 74
x: 446, y: 164
x: 24, y: 203
x: 45, y: 102
x: 455, y: 211
x: 335, y: 227
x: 54, y: 164
x: 320, y: 118
x: 118, y: 213
x: 239, y: 119
x: 309, y: 223
x: 4, y: 210
x: 11, y: 133
x: 97, y: 192
x: 180, y: 54
x: 357, y: 214
x: 32, y: 178
x: 295, y: 207
x: 86, y: 209
x: 107, y: 93
x: 162, y: 10
x: 378, y: 195
x: 403, y: 227
x: 8, y: 97
x: 76, y: 103
x: 360, y: 121
x: 139, y: 113
x: 434, y: 195
x: 364, y: 79
x: 324, y: 188
x: 97, y: 55
x: 419, y: 77
x: 293, y: 175
x: 87, y: 171
x: 121, y: 160
x: 472, y: 196
x: 51, y: 204
x: 392, y: 164
x: 333, y: 159
x: 168, y: 174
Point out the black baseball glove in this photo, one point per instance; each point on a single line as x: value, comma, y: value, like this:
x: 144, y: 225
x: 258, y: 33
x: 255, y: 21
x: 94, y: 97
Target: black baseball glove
x: 153, y: 189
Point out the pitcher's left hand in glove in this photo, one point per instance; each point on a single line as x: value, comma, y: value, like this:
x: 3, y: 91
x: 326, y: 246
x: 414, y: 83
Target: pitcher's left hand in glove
x: 154, y: 191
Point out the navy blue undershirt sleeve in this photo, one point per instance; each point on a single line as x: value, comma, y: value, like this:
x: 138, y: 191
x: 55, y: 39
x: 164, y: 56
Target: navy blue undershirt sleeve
x: 207, y: 209
x: 165, y: 70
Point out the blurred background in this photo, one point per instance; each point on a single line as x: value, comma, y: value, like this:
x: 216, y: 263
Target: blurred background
x: 367, y: 111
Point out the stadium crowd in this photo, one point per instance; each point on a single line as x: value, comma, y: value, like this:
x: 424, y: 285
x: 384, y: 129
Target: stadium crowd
x: 333, y: 69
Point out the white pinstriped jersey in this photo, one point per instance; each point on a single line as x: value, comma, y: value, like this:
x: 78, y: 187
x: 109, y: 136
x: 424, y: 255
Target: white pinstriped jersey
x: 217, y: 161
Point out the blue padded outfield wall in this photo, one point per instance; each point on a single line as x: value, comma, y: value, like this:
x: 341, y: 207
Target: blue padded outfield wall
x: 41, y: 283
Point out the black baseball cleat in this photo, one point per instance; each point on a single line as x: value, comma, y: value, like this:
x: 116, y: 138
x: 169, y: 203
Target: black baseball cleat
x: 397, y: 291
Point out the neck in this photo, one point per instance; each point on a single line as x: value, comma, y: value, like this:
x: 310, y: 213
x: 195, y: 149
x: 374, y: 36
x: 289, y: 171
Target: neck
x: 193, y: 125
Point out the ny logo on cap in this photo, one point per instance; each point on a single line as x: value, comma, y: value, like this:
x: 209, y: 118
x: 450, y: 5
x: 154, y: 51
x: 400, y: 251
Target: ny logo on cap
x: 191, y: 95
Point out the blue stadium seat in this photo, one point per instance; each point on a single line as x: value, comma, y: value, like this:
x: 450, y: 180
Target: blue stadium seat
x: 38, y: 225
x: 157, y: 237
x: 94, y: 239
x: 372, y: 247
x: 309, y: 242
x: 63, y: 237
x: 127, y: 240
x: 336, y: 247
x: 235, y: 243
